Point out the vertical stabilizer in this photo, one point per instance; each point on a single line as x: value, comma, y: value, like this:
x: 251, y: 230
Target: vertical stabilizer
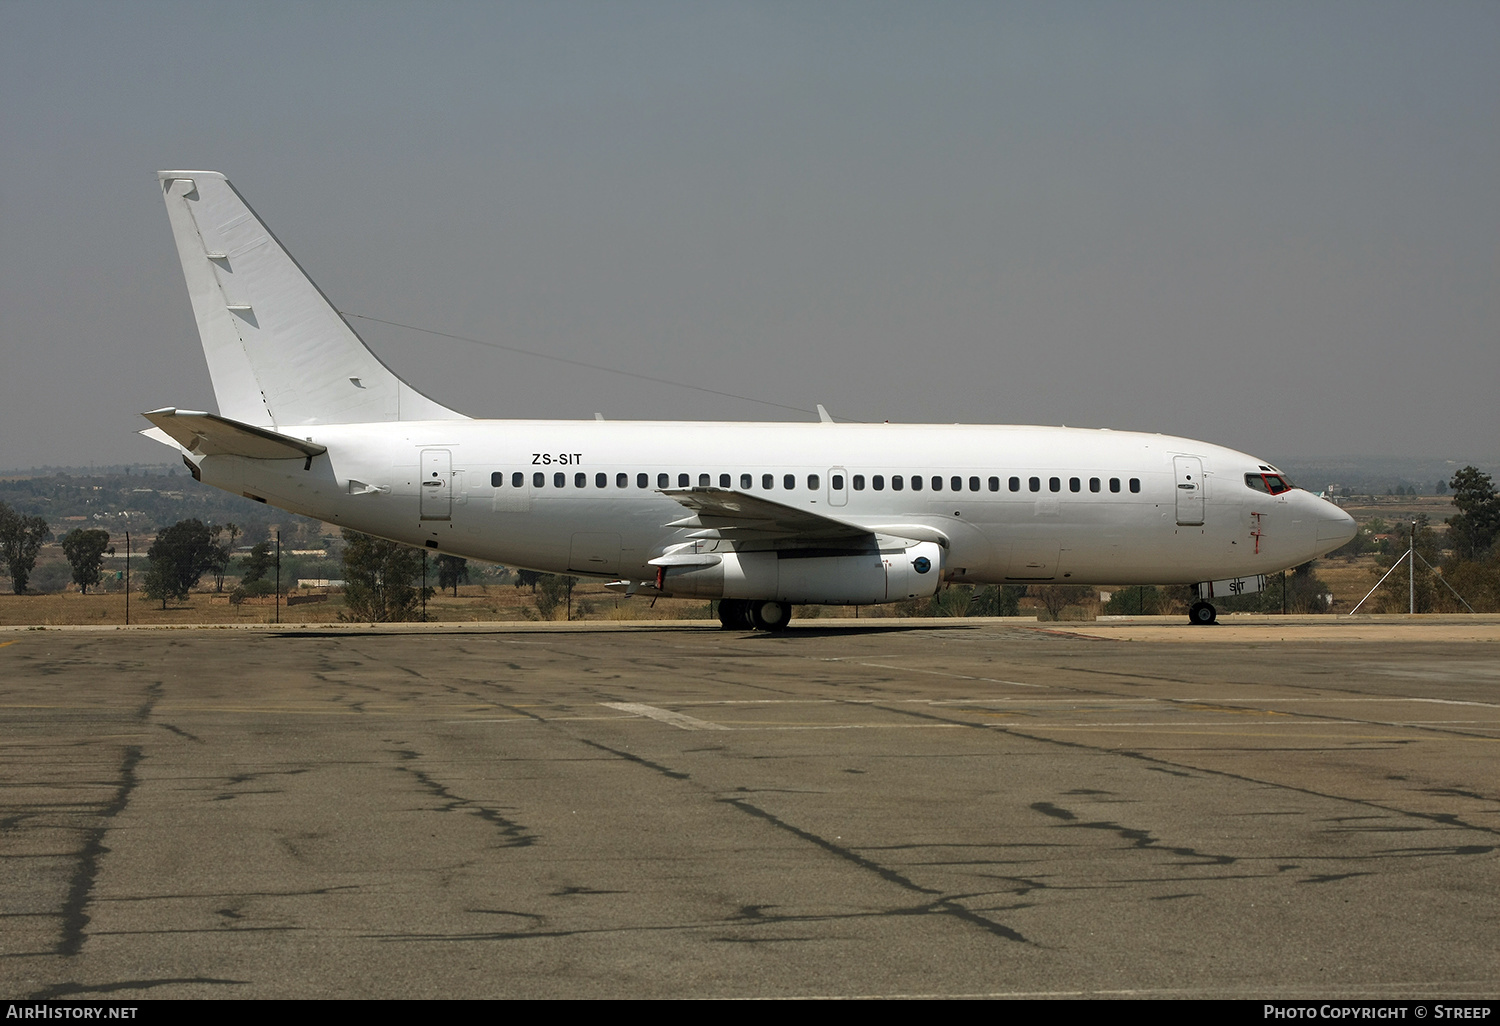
x: 278, y: 352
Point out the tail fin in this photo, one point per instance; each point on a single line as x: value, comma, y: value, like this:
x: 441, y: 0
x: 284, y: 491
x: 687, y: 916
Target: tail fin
x: 278, y: 352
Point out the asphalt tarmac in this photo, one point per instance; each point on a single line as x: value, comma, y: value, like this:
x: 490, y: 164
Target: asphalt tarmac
x: 872, y: 808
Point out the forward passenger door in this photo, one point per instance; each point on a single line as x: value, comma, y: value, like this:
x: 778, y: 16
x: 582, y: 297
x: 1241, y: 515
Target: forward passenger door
x: 1189, y: 490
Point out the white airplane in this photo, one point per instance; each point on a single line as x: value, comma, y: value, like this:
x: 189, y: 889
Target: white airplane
x: 757, y: 515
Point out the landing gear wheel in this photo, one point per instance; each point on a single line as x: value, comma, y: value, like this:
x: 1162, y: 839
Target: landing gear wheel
x: 734, y: 615
x: 770, y: 616
x: 1202, y: 614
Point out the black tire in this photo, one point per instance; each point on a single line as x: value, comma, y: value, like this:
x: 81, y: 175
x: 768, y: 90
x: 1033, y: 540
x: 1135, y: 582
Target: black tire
x: 1203, y: 614
x: 771, y: 616
x: 734, y: 615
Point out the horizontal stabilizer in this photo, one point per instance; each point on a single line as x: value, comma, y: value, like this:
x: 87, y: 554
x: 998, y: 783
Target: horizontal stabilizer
x: 204, y: 434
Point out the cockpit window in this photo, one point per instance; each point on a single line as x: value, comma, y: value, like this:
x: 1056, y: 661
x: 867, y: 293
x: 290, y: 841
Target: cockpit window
x: 1271, y: 484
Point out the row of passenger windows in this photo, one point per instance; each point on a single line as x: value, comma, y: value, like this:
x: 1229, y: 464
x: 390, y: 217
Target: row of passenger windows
x: 876, y: 482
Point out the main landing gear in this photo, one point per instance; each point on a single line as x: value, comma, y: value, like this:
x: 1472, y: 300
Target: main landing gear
x: 744, y: 615
x: 1202, y: 614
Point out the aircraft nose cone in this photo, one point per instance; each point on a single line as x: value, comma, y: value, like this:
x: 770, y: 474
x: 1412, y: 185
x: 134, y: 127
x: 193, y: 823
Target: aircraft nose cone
x: 1336, y: 527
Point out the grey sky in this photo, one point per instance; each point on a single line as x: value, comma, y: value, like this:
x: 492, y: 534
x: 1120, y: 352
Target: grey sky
x: 1274, y: 226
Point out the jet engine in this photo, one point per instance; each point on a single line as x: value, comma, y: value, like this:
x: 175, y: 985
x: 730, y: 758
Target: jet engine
x: 805, y: 575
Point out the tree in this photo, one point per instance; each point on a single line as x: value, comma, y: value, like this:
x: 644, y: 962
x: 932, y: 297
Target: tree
x: 257, y: 564
x: 21, y: 538
x: 1057, y: 597
x: 1478, y: 581
x: 178, y: 559
x: 997, y: 600
x: 1136, y: 600
x: 954, y: 600
x: 553, y: 590
x: 85, y: 547
x: 1474, y: 528
x: 380, y: 579
x: 222, y: 553
x: 529, y: 578
x: 1401, y: 591
x: 452, y: 571
x: 156, y: 582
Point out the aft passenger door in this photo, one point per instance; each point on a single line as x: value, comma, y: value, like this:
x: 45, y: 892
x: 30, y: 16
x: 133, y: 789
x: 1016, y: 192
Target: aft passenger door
x: 1189, y: 490
x: 437, y: 484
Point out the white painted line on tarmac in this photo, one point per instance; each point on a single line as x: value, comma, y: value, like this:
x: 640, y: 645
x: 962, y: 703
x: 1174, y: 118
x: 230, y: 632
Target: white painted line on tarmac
x: 681, y: 721
x: 940, y: 673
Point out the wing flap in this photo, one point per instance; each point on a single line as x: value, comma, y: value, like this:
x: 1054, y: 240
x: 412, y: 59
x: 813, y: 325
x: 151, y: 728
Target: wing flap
x: 733, y: 514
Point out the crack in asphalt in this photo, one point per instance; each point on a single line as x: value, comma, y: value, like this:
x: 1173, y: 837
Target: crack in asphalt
x: 515, y: 834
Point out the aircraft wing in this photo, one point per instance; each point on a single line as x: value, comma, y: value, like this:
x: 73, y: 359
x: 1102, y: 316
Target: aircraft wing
x: 726, y: 513
x: 205, y: 434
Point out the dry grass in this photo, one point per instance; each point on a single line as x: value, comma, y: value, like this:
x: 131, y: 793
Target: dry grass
x: 475, y: 603
x: 1349, y: 578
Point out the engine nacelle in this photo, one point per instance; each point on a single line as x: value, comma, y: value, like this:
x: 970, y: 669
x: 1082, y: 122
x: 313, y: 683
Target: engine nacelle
x: 808, y: 576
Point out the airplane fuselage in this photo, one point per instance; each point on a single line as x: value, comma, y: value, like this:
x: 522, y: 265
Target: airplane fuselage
x: 1004, y: 503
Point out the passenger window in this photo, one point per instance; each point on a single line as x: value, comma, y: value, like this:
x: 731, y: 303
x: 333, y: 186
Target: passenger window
x: 838, y: 482
x: 1054, y: 484
x: 878, y: 483
x: 560, y: 480
x: 812, y: 482
x: 497, y: 479
x: 897, y: 482
x: 1015, y: 484
x: 622, y: 480
x: 916, y: 482
x: 859, y: 482
x: 1093, y: 484
x: 958, y: 484
x: 1034, y: 483
x: 682, y: 480
x: 580, y: 480
x: 789, y: 481
x: 1114, y: 484
x: 517, y: 480
x: 767, y: 481
x: 745, y: 482
x: 1135, y: 484
x: 538, y: 479
x: 663, y: 481
x: 601, y: 480
x: 703, y: 480
x: 643, y: 480
x: 937, y: 483
x: 1075, y: 485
